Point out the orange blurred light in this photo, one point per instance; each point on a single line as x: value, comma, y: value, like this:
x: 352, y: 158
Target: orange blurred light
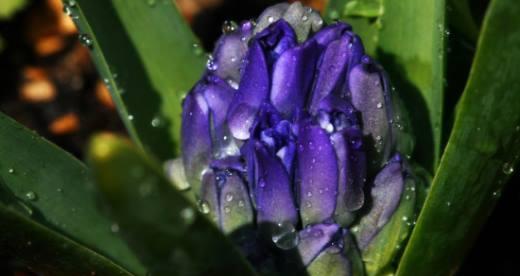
x: 36, y: 86
x: 66, y: 124
x: 103, y: 95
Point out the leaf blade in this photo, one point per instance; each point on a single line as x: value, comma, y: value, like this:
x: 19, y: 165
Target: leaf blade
x: 481, y: 153
x: 28, y: 243
x: 161, y: 225
x: 145, y: 53
x: 55, y: 187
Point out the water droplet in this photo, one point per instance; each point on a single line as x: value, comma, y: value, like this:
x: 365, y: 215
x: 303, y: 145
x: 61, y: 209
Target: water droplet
x: 448, y: 203
x: 157, y: 121
x: 305, y: 18
x: 114, y: 227
x: 405, y: 218
x: 379, y: 105
x: 229, y: 27
x: 210, y: 63
x: 188, y: 215
x: 379, y: 138
x: 11, y: 171
x: 227, y: 210
x: 497, y: 194
x: 241, y: 203
x: 309, y: 194
x: 86, y: 40
x: 270, y: 19
x: 285, y: 236
x: 72, y: 3
x: 203, y: 206
x: 508, y: 168
x: 197, y: 50
x: 31, y: 196
x: 130, y: 117
x: 229, y: 197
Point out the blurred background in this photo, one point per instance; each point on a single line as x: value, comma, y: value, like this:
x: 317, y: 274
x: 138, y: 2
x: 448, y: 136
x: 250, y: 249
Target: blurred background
x: 49, y: 84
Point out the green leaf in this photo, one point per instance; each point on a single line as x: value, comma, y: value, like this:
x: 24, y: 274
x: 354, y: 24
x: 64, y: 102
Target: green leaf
x: 9, y: 7
x: 53, y: 188
x: 481, y: 154
x: 27, y: 244
x: 408, y: 39
x: 162, y: 226
x: 145, y: 53
x: 461, y: 19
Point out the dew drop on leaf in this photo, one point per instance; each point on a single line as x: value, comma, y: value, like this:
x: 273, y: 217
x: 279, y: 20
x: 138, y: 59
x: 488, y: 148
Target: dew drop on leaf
x: 508, y: 168
x: 31, y: 196
x: 114, y: 228
x: 86, y: 40
x: 188, y: 215
x: 203, y: 206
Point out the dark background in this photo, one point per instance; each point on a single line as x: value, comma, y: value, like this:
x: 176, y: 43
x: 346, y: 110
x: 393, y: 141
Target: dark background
x: 43, y: 57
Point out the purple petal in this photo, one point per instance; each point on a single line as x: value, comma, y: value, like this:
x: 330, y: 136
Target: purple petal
x: 352, y: 173
x: 370, y: 97
x: 385, y: 195
x: 292, y: 77
x: 209, y: 201
x: 196, y: 136
x: 314, y: 239
x: 318, y: 171
x: 229, y: 52
x: 332, y: 104
x: 276, y: 39
x: 274, y: 197
x: 339, y: 56
x: 235, y: 207
x: 253, y: 90
x: 330, y: 33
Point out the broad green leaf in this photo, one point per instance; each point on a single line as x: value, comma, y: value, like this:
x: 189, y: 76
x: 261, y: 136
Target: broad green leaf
x: 481, y: 154
x: 29, y: 244
x: 145, y: 53
x: 408, y: 40
x: 54, y: 189
x: 159, y: 223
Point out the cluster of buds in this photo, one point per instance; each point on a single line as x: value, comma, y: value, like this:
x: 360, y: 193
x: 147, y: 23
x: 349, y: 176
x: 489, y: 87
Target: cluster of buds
x: 280, y: 137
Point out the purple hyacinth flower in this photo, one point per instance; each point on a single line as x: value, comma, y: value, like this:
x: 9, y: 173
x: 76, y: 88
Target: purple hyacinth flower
x: 279, y: 133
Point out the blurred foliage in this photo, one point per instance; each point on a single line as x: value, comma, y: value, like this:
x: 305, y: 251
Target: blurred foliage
x: 9, y: 7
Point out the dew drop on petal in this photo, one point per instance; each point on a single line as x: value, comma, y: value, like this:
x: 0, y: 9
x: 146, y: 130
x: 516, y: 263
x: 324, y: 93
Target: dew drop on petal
x: 285, y: 236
